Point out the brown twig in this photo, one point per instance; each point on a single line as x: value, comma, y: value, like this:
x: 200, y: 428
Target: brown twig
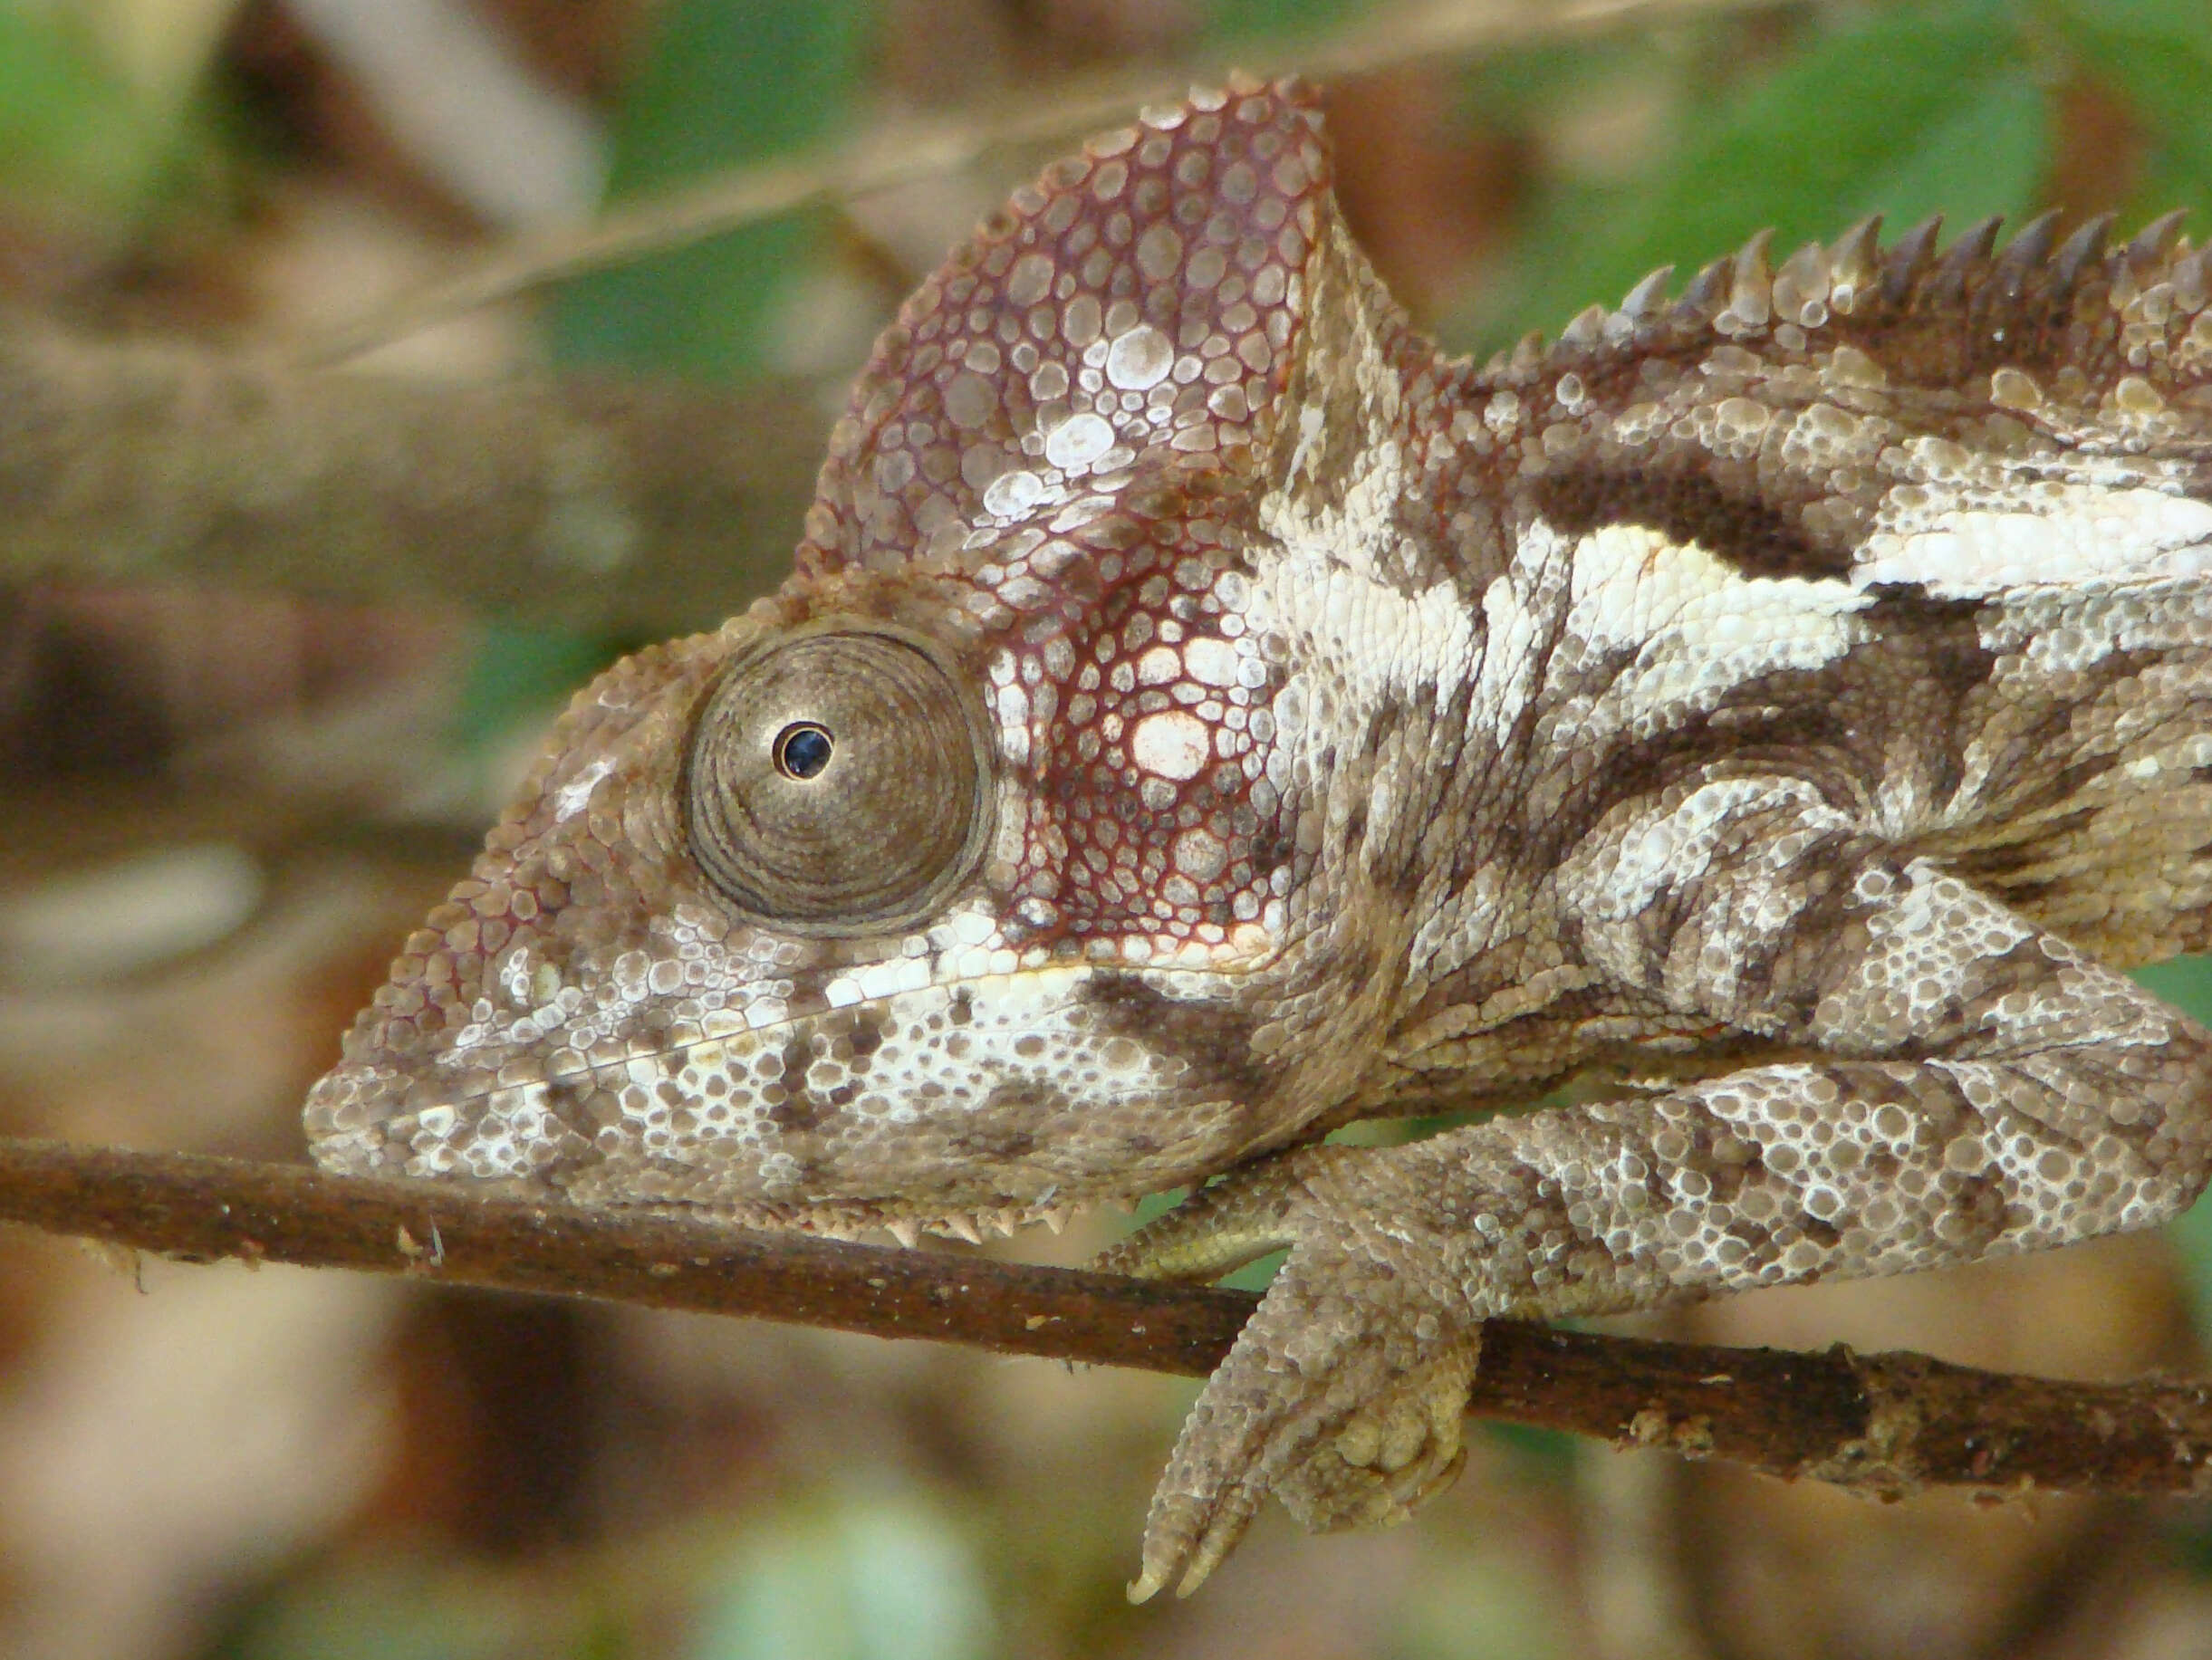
x: 616, y: 503
x: 904, y: 151
x: 1886, y: 1423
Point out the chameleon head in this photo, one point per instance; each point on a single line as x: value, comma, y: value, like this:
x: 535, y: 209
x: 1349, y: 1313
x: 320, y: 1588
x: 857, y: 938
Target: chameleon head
x: 964, y: 877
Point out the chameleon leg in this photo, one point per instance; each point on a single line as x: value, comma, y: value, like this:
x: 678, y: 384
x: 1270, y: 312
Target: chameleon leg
x: 1984, y: 1088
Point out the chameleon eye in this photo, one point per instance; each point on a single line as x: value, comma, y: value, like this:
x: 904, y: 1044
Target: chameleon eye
x: 803, y: 749
x: 840, y: 780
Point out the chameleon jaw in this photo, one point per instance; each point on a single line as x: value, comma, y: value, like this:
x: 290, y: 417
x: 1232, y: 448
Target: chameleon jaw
x: 964, y: 1110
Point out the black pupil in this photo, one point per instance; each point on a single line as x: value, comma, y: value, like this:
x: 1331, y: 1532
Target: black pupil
x: 801, y: 750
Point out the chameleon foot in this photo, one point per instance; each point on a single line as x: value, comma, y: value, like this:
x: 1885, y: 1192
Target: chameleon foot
x: 1343, y: 1395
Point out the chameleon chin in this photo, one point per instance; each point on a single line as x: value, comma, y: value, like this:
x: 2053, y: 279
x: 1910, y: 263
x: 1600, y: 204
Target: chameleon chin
x: 1202, y: 716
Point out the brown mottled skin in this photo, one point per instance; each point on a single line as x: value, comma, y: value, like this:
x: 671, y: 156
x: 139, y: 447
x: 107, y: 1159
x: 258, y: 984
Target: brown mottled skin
x: 1204, y: 716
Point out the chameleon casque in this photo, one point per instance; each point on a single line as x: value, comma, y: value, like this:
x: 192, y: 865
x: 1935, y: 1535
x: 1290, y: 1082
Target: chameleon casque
x: 1204, y: 716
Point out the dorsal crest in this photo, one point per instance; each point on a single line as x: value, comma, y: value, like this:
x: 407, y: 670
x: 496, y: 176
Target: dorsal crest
x: 2075, y: 310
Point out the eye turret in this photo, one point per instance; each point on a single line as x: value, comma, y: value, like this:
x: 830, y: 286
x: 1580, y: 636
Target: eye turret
x: 838, y: 780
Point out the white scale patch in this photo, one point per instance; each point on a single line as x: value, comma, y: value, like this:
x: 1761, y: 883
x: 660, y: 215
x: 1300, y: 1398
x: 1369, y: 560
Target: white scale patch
x: 1173, y: 744
x: 1210, y: 661
x: 1374, y: 643
x: 1631, y: 585
x: 2087, y: 535
x: 1077, y: 442
x: 1355, y: 527
x: 569, y: 799
x: 1013, y: 494
x: 1139, y: 360
x: 1698, y: 626
x: 1512, y: 662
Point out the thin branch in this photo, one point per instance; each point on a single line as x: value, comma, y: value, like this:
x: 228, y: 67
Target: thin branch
x: 903, y: 152
x: 1888, y: 1424
x: 616, y: 503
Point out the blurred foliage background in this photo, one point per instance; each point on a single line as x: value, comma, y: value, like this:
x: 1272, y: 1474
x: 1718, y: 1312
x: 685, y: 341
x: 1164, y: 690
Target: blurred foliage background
x: 224, y: 807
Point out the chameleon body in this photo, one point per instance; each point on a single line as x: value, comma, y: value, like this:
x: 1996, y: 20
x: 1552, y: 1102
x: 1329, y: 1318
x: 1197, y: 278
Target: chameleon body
x: 1204, y: 716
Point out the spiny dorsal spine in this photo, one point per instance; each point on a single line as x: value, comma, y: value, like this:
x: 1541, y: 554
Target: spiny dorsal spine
x: 1971, y: 288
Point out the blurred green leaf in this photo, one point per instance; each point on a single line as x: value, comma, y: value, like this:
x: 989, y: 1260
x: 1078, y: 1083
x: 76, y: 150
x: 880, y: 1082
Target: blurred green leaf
x: 724, y: 85
x: 1548, y: 1454
x: 869, y: 1579
x: 2158, y: 55
x: 1254, y: 1275
x: 384, y: 1607
x: 519, y: 672
x: 2167, y: 181
x: 1988, y: 157
x: 2192, y: 1237
x: 1525, y: 84
x: 2184, y: 982
x: 1156, y: 1205
x: 2189, y: 1536
x: 74, y: 141
x: 1265, y: 19
x: 2187, y: 984
x: 1477, y: 1602
x: 1913, y: 110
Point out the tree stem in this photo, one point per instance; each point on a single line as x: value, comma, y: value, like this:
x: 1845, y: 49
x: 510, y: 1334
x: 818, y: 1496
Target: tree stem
x: 1889, y: 1423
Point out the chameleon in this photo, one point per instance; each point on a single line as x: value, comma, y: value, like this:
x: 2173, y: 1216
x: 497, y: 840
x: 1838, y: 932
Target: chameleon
x: 1203, y: 715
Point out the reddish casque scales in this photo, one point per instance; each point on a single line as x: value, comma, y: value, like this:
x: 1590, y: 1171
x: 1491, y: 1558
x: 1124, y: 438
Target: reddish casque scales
x: 1204, y: 716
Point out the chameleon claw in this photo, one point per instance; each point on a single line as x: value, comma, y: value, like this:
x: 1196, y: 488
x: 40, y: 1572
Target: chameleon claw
x: 1222, y: 1534
x: 1345, y: 1406
x: 1200, y: 1510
